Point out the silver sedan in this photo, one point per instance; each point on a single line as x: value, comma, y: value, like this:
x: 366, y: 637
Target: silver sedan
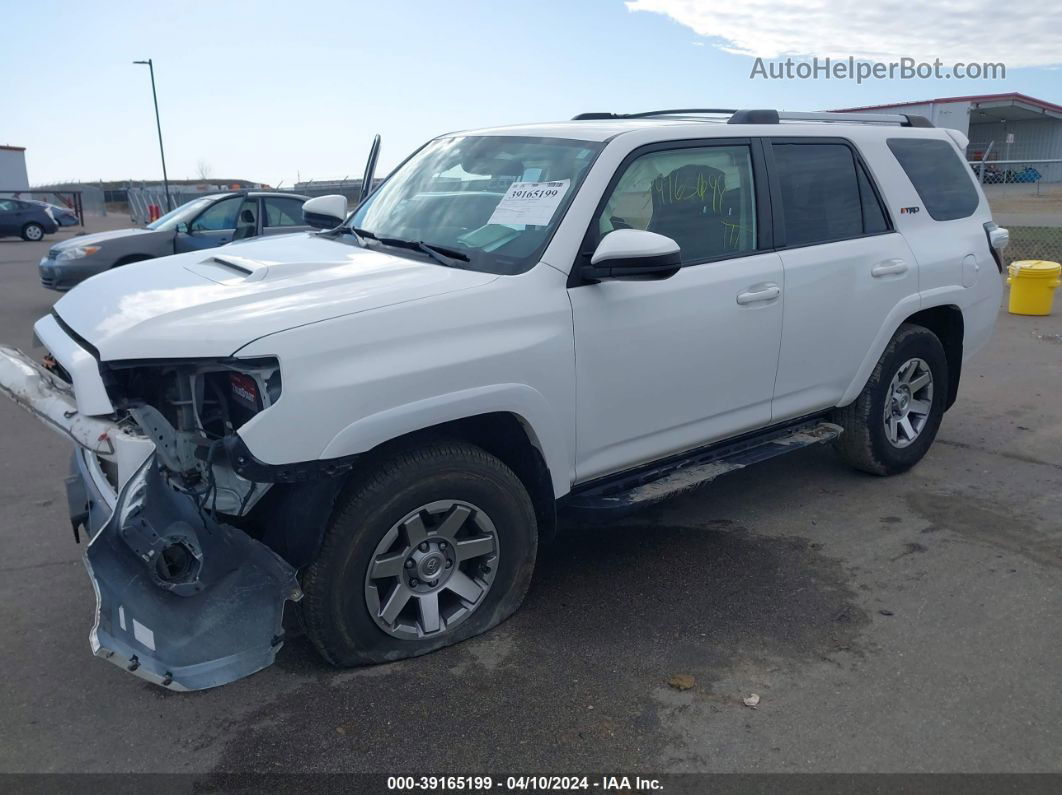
x: 202, y: 223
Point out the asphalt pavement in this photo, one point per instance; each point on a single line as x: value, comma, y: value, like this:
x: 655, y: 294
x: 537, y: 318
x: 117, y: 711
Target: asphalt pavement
x: 886, y: 624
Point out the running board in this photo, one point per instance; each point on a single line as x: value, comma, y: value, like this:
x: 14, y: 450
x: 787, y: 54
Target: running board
x: 673, y: 476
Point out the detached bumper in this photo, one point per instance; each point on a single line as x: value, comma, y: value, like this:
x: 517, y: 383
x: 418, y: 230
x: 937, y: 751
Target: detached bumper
x: 52, y: 402
x: 181, y: 600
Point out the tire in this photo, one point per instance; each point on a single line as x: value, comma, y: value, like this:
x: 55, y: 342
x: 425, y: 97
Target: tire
x: 33, y: 232
x: 345, y: 611
x: 881, y: 444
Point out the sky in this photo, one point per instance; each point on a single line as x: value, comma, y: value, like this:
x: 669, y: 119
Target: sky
x: 274, y: 92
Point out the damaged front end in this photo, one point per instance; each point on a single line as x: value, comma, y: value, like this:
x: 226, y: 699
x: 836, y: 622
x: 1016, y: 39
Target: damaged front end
x: 185, y: 598
x: 182, y: 600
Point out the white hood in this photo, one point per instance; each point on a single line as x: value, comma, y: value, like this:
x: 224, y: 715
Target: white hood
x: 211, y: 303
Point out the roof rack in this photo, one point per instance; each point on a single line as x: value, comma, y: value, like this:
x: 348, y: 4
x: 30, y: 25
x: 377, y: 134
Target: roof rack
x: 767, y: 116
x: 650, y: 113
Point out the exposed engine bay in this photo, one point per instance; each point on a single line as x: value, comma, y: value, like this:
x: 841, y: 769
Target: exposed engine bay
x: 188, y: 409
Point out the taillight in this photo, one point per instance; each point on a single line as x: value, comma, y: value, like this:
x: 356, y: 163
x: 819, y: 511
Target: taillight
x: 998, y: 238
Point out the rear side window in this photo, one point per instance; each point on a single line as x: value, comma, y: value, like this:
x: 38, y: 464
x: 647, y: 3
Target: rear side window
x: 873, y: 214
x: 938, y: 174
x: 824, y: 197
x: 283, y: 211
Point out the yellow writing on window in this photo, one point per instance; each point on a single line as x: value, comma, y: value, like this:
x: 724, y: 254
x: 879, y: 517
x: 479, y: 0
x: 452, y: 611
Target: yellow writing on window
x: 671, y: 190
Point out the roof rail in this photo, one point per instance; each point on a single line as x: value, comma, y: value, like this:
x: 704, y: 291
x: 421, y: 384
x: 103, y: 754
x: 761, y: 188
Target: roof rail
x: 774, y: 117
x: 650, y: 113
x: 767, y: 116
x: 681, y: 112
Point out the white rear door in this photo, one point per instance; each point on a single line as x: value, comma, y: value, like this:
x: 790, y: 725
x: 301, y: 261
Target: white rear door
x: 846, y: 271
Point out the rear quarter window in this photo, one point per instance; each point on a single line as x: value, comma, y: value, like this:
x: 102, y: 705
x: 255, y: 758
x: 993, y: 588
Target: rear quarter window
x: 939, y: 175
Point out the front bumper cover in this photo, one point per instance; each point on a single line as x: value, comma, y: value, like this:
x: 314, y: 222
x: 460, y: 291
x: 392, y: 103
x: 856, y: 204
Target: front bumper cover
x: 62, y: 275
x: 183, y: 601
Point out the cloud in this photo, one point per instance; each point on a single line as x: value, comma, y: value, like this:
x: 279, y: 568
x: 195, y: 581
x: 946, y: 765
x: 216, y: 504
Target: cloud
x: 1017, y: 33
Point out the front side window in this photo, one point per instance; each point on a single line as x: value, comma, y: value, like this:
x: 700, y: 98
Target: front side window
x: 182, y: 214
x: 219, y: 216
x: 494, y: 199
x: 942, y: 180
x: 702, y: 198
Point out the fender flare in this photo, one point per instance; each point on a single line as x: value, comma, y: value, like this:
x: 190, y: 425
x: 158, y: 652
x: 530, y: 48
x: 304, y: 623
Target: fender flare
x: 903, y: 310
x: 526, y: 403
x: 947, y: 297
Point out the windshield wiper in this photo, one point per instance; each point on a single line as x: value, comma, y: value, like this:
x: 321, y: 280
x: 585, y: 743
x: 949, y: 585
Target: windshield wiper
x: 359, y: 235
x: 444, y: 256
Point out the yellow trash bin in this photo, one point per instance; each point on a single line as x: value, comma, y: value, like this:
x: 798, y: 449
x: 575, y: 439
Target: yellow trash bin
x: 1032, y: 286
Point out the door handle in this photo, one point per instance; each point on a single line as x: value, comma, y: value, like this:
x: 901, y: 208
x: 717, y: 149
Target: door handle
x: 889, y: 267
x: 766, y: 292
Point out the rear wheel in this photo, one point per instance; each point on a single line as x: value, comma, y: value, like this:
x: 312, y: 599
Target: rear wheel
x: 435, y: 545
x: 32, y: 232
x: 895, y: 419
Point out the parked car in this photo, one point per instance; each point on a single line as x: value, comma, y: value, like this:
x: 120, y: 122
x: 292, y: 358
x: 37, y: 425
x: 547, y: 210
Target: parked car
x: 27, y: 219
x: 202, y: 223
x: 382, y: 419
x: 61, y: 215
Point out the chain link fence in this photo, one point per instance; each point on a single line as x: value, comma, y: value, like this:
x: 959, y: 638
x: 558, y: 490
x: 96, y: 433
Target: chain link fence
x: 92, y: 200
x: 147, y: 204
x: 1026, y: 198
x: 79, y: 202
x: 351, y: 188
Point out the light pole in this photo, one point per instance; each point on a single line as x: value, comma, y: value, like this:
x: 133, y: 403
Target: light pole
x: 158, y: 125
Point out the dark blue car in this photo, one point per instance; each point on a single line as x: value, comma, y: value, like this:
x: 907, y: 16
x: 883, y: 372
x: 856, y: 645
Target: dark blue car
x: 30, y: 220
x: 62, y: 215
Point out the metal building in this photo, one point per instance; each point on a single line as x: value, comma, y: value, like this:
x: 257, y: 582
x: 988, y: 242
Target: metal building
x: 1002, y: 128
x: 13, y: 175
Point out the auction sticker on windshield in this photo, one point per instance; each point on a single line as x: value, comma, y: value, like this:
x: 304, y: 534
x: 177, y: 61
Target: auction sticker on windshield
x: 529, y: 203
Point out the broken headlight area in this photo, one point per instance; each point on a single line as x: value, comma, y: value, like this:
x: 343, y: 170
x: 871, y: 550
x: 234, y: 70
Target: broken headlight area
x: 52, y: 366
x: 188, y: 409
x: 183, y: 600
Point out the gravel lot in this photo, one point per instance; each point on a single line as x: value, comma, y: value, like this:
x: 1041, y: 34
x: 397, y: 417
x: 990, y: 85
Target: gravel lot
x: 903, y: 624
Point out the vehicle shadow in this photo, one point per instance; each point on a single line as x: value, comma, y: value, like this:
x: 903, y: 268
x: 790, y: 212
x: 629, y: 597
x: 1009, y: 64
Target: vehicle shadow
x: 580, y: 674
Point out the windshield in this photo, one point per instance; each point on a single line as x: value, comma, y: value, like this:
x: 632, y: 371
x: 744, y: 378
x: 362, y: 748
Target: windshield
x: 184, y: 213
x: 495, y: 199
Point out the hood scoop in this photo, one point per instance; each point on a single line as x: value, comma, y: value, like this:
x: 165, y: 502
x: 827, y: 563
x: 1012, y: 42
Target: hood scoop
x: 229, y: 270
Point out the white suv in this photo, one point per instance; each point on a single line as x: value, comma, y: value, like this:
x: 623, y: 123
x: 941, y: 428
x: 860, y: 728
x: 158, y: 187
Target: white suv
x: 382, y: 419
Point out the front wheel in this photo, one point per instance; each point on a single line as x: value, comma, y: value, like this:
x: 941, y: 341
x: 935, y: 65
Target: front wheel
x: 431, y: 547
x: 33, y: 232
x: 895, y: 419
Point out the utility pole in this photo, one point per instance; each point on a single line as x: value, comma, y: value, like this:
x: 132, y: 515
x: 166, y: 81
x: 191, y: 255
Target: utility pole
x: 158, y: 125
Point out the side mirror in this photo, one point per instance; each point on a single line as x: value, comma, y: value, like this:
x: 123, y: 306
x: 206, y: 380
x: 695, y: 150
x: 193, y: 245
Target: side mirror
x: 325, y: 212
x: 633, y: 254
x: 182, y: 229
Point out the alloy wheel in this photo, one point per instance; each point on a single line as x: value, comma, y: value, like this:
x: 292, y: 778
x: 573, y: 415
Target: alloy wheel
x: 432, y: 569
x: 908, y: 402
